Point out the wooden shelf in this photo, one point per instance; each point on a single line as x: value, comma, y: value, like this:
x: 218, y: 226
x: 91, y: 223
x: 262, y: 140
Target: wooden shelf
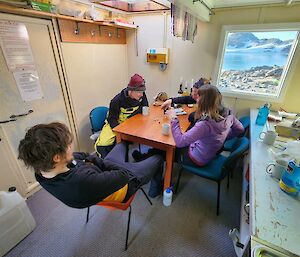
x: 73, y: 31
x: 39, y: 14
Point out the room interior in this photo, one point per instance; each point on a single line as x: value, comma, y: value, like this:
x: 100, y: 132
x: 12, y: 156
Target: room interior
x: 78, y: 72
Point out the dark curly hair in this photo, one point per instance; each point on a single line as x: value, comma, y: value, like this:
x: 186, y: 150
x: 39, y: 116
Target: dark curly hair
x: 41, y: 143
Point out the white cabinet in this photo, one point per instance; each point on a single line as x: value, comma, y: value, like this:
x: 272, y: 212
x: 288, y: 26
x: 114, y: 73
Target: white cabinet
x: 241, y: 237
x: 274, y: 215
x: 52, y: 107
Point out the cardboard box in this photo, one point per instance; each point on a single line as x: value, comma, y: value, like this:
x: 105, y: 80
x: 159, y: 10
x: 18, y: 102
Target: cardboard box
x: 285, y: 129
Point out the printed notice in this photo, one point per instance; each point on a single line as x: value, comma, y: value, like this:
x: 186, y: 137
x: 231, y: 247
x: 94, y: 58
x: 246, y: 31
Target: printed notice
x: 28, y: 84
x: 14, y: 41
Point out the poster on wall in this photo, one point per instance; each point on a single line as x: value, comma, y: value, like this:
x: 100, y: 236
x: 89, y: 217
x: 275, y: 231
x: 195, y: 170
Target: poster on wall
x: 14, y: 41
x: 28, y: 85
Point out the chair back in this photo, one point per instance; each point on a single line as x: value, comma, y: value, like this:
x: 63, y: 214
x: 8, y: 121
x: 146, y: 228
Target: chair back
x: 245, y: 120
x: 97, y: 118
x: 240, y: 146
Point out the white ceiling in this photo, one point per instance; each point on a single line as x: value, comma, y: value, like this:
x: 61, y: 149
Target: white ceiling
x: 203, y: 8
x: 235, y: 3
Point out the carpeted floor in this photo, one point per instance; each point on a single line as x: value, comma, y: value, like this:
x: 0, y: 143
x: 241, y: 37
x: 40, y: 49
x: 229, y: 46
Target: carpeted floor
x: 189, y: 227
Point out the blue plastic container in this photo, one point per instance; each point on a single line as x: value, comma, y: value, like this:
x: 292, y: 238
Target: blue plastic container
x: 262, y: 115
x: 290, y: 180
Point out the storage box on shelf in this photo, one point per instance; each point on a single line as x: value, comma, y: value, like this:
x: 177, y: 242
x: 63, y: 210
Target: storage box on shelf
x: 74, y: 29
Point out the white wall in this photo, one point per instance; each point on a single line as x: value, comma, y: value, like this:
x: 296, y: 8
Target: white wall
x: 198, y: 59
x: 186, y: 58
x: 95, y: 73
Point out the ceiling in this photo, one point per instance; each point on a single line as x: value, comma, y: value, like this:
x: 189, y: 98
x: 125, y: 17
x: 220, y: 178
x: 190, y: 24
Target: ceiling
x: 234, y: 3
x: 202, y: 9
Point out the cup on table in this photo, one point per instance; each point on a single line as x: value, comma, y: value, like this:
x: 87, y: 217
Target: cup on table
x: 276, y: 169
x: 145, y: 110
x: 165, y: 129
x: 268, y: 137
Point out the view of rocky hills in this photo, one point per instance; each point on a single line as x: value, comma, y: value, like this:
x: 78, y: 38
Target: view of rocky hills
x: 260, y: 76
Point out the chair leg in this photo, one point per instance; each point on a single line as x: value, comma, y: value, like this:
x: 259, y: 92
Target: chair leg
x: 128, y: 226
x: 87, y: 215
x: 228, y: 175
x: 146, y: 195
x: 218, y: 198
x: 127, y: 151
x: 178, y: 180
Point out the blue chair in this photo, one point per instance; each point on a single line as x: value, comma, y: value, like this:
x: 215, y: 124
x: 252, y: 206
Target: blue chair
x: 97, y: 119
x: 219, y: 167
x: 230, y: 142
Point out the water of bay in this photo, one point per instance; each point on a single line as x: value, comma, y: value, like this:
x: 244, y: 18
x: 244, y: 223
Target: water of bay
x: 247, y: 60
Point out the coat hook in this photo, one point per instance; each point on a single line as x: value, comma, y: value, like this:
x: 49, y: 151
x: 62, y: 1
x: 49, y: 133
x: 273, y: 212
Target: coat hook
x: 93, y: 33
x: 76, y: 30
x: 117, y: 33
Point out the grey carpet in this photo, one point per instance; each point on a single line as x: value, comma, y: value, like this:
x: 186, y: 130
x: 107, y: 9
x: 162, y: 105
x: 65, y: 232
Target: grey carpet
x: 189, y: 227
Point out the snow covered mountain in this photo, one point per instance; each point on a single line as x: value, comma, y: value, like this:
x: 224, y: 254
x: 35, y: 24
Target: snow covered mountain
x: 247, y: 41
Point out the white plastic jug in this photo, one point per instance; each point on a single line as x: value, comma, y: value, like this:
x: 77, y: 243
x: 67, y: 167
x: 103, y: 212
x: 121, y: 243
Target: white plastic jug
x: 16, y: 220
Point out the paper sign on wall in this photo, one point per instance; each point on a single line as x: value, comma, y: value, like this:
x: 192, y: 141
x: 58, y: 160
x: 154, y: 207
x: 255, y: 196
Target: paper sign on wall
x: 14, y: 41
x: 28, y: 84
x: 15, y: 45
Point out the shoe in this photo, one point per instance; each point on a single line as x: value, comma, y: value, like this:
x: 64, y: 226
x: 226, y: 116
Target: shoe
x: 138, y: 156
x: 155, y: 189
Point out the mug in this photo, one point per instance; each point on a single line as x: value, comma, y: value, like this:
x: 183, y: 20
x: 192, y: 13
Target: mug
x: 276, y: 169
x: 269, y: 137
x: 145, y: 110
x: 165, y: 129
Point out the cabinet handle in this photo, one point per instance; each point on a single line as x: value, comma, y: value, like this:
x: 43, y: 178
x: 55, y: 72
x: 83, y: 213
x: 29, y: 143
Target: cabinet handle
x: 6, y: 121
x: 19, y: 115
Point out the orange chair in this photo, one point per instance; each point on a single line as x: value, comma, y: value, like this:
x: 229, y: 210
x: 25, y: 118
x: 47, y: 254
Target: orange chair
x: 120, y: 206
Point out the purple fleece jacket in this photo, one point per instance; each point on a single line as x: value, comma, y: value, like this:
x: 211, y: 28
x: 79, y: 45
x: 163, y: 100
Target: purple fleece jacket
x: 207, y: 137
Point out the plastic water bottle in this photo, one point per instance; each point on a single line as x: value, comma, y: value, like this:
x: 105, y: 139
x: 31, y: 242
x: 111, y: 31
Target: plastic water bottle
x: 262, y: 115
x: 167, y: 200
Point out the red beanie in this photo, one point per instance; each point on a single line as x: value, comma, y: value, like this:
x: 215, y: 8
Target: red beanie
x: 136, y: 83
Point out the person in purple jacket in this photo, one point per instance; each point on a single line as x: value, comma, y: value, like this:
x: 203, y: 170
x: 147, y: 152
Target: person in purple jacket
x: 202, y: 142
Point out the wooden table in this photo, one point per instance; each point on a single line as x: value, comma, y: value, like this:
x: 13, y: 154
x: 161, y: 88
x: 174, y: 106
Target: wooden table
x: 147, y: 130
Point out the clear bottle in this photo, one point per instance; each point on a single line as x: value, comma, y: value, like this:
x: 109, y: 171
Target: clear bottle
x: 263, y: 114
x: 167, y: 199
x: 180, y: 92
x: 185, y: 91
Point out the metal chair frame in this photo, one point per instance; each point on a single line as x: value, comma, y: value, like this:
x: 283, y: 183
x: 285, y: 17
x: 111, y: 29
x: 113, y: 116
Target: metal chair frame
x: 124, y: 207
x: 228, y: 164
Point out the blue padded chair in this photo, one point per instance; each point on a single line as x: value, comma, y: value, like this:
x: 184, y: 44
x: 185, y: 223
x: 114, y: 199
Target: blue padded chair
x: 97, y: 119
x: 219, y: 167
x: 246, y: 123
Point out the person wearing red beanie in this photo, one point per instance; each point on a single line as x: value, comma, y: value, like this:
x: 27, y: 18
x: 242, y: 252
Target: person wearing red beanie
x: 124, y: 105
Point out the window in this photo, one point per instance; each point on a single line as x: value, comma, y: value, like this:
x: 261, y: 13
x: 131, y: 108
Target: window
x: 254, y: 60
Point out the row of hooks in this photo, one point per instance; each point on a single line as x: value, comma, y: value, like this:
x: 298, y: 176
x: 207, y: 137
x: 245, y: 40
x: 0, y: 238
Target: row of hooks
x: 93, y: 32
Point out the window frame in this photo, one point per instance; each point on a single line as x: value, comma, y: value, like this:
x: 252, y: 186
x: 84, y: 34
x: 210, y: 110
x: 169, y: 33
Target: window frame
x: 287, y: 72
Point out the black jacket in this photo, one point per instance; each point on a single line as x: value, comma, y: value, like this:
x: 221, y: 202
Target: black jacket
x: 89, y: 180
x: 123, y: 107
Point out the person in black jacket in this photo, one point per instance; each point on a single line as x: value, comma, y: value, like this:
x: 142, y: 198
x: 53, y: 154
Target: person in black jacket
x: 79, y: 179
x: 192, y: 99
x: 124, y: 105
